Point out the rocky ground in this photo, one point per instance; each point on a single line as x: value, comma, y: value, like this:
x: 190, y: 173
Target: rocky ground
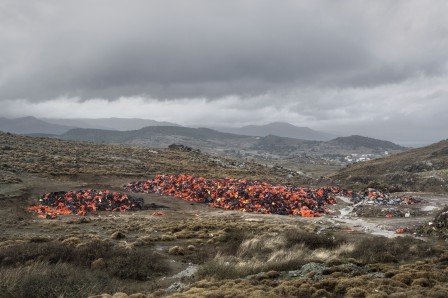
x: 183, y: 249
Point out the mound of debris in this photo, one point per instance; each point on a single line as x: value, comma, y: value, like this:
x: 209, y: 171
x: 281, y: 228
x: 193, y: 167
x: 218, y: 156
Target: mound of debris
x: 384, y: 211
x: 439, y: 226
x: 81, y: 202
x: 241, y: 194
x: 375, y: 197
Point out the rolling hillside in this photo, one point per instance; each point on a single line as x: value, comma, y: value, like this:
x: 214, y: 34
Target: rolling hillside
x: 281, y: 129
x: 421, y: 169
x: 113, y: 136
x: 209, y: 140
x: 49, y: 157
x: 31, y: 125
x: 109, y: 123
x: 357, y: 141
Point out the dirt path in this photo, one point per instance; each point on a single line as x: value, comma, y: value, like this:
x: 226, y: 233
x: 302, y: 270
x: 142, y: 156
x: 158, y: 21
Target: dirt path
x: 387, y: 226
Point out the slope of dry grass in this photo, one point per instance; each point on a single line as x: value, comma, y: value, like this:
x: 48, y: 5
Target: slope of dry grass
x: 421, y: 169
x: 51, y: 157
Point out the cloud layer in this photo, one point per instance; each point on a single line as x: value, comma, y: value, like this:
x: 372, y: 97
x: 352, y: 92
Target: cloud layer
x: 350, y: 65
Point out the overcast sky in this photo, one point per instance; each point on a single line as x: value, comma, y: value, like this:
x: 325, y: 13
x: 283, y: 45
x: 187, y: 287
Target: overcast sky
x: 375, y: 68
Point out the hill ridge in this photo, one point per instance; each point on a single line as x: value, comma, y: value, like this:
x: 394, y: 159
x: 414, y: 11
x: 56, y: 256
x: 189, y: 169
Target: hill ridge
x: 30, y: 124
x: 282, y: 129
x: 419, y: 169
x: 209, y: 140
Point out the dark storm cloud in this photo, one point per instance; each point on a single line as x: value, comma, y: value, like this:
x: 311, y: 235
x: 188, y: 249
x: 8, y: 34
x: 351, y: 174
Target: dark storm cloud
x: 375, y: 68
x: 172, y: 49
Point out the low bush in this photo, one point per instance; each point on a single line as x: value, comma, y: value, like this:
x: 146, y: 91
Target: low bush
x: 283, y: 251
x: 231, y: 240
x: 312, y: 240
x: 86, y: 253
x: 52, y: 252
x: 42, y: 279
x: 137, y: 265
x: 202, y: 254
x: 221, y: 269
x: 384, y: 250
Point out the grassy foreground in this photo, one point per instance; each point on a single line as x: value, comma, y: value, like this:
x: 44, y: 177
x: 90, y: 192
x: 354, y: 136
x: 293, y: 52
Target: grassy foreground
x: 236, y: 258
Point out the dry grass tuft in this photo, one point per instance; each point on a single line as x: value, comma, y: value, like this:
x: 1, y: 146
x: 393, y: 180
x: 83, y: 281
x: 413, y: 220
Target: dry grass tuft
x: 272, y: 252
x: 176, y: 250
x: 40, y: 279
x: 384, y: 250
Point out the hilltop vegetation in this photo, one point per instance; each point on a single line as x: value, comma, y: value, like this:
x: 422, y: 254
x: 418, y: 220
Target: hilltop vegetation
x: 53, y: 157
x: 357, y: 141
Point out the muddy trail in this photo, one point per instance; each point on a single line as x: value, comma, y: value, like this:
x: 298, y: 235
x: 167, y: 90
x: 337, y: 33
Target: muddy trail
x: 390, y: 227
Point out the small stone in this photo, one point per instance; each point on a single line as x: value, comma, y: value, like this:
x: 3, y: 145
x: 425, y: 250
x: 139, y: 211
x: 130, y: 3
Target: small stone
x: 175, y: 287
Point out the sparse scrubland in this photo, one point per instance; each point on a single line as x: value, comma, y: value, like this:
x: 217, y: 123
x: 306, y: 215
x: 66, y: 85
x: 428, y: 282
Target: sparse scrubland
x: 235, y: 257
x: 184, y: 249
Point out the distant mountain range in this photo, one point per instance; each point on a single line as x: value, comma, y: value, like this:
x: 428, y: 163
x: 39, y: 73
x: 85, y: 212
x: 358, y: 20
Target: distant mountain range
x: 147, y: 133
x: 113, y: 123
x: 210, y: 140
x: 274, y: 140
x: 32, y: 125
x: 281, y: 129
x: 50, y: 126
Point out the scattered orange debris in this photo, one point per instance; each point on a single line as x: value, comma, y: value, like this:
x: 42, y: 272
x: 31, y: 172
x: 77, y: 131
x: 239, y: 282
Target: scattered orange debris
x: 53, y: 204
x: 242, y: 194
x: 158, y: 213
